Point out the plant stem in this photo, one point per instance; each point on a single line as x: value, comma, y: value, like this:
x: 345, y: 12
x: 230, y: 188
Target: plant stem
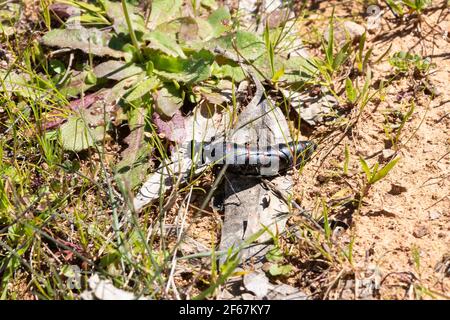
x: 131, y: 31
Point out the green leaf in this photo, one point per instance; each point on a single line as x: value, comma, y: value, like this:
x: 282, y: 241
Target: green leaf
x: 219, y: 20
x: 87, y: 40
x: 160, y: 41
x: 168, y: 100
x: 366, y: 59
x: 350, y: 91
x: 326, y: 223
x: 364, y: 94
x: 296, y: 70
x: 274, y: 255
x: 249, y: 44
x: 341, y: 56
x: 374, y: 171
x: 278, y: 74
x: 117, y: 70
x: 396, y: 7
x: 84, y: 6
x: 163, y: 11
x: 365, y: 167
x: 232, y: 71
x: 132, y: 169
x: 91, y: 78
x: 347, y: 159
x: 196, y: 68
x: 142, y: 88
x: 57, y: 66
x: 115, y: 12
x: 184, y: 30
x: 149, y: 67
x: 385, y: 170
x: 329, y: 51
x: 18, y: 84
x: 77, y: 136
x: 280, y: 270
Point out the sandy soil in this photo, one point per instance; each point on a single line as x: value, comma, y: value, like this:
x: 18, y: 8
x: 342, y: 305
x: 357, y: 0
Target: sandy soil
x: 403, y: 230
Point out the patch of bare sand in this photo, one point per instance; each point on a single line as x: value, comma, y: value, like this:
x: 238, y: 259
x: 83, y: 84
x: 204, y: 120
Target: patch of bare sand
x: 404, y: 227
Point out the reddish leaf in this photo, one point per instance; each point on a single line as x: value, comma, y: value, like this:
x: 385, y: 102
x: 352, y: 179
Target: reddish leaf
x: 173, y: 129
x: 55, y: 118
x: 63, y: 11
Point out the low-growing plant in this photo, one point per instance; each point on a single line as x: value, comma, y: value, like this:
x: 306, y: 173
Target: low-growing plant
x: 405, y: 62
x: 394, y: 131
x: 402, y: 7
x: 372, y: 175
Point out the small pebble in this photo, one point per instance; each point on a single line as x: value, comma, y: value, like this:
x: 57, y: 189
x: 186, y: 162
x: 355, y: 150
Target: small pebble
x: 397, y: 189
x: 420, y: 231
x: 387, y: 154
x: 434, y: 215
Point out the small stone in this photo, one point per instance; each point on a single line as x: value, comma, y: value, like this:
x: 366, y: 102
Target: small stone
x: 397, y: 189
x: 387, y: 154
x: 434, y: 215
x: 258, y: 283
x: 355, y: 30
x: 345, y: 31
x: 420, y: 231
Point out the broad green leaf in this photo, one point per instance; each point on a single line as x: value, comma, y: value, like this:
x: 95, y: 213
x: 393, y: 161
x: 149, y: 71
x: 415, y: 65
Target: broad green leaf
x: 249, y: 44
x: 160, y: 41
x: 114, y: 11
x: 77, y: 136
x: 163, y: 11
x: 132, y: 168
x: 167, y: 100
x: 145, y: 87
x: 205, y: 30
x: 112, y: 69
x: 280, y: 270
x: 88, y: 40
x: 18, y: 84
x: 274, y: 255
x: 196, y: 68
x: 91, y: 78
x: 219, y: 21
x: 185, y: 30
x: 116, y: 70
x: 231, y: 71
